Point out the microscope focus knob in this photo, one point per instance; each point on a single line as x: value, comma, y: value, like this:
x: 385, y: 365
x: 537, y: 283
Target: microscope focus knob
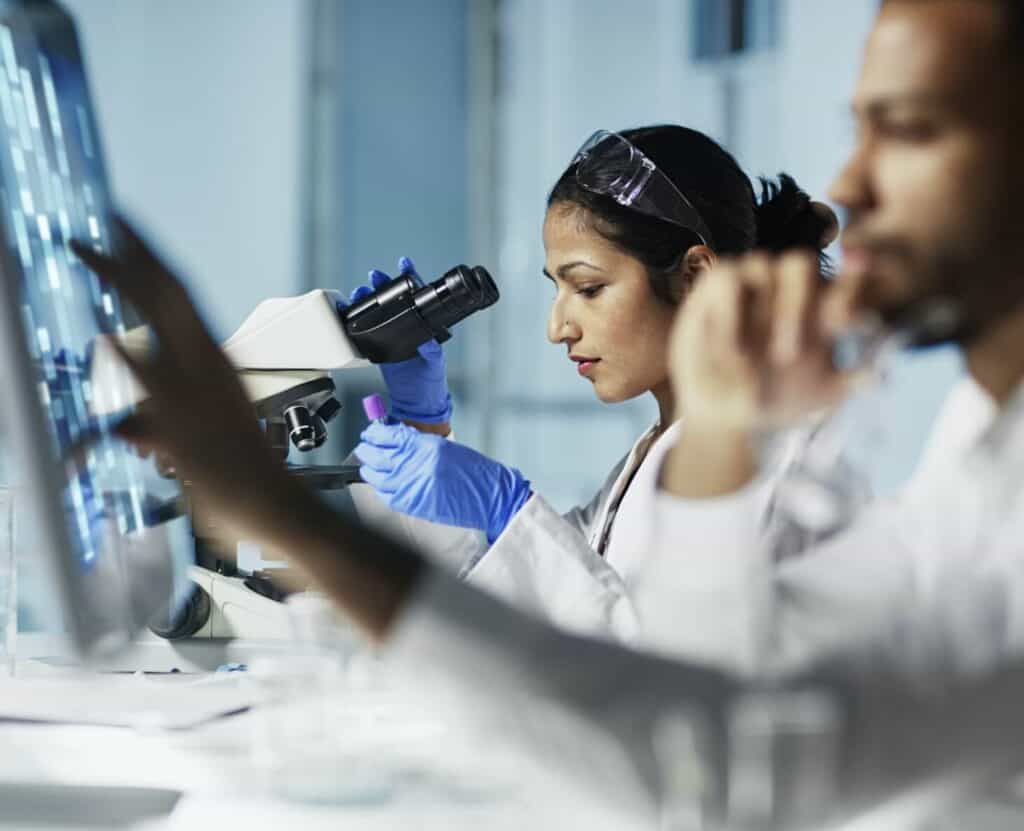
x: 329, y: 409
x: 301, y: 429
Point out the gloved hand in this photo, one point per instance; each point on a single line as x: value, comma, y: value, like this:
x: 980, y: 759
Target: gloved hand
x: 430, y: 477
x: 418, y: 387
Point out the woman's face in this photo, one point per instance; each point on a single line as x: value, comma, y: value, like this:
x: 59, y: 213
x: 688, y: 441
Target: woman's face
x: 614, y: 328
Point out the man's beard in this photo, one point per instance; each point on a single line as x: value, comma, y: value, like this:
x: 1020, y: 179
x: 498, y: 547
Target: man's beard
x: 954, y: 303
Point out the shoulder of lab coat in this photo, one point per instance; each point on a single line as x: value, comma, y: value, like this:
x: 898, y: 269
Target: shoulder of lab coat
x: 543, y: 563
x: 547, y: 563
x: 584, y: 518
x: 705, y: 589
x: 965, y: 413
x: 447, y: 545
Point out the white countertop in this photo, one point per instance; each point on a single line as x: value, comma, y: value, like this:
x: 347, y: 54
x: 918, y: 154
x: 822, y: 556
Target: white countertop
x: 399, y: 766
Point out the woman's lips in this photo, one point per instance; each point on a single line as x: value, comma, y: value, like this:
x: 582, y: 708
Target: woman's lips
x: 585, y: 365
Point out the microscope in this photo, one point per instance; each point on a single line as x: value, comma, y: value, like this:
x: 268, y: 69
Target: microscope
x: 285, y: 351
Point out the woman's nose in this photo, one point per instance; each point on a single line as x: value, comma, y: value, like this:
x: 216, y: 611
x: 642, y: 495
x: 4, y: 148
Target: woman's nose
x: 561, y: 329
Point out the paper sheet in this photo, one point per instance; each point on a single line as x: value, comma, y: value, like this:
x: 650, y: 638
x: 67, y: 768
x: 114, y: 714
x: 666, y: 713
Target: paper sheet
x: 163, y: 702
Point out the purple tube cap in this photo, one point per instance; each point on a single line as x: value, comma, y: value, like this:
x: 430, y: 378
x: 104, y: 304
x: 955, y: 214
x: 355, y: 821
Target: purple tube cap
x: 373, y: 406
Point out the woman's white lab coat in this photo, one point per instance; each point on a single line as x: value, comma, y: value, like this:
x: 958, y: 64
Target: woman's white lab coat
x: 574, y: 569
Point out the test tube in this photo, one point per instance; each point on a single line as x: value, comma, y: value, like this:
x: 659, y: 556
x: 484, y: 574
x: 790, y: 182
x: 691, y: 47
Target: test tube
x: 373, y: 406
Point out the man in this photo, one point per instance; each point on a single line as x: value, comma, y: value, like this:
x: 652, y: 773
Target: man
x: 594, y: 708
x: 929, y: 581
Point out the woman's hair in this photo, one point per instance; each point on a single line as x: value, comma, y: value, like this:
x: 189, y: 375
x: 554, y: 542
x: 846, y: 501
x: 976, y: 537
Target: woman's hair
x: 781, y: 217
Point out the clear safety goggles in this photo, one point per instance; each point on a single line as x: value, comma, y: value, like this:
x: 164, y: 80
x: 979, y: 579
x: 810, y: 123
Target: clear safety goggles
x: 610, y: 165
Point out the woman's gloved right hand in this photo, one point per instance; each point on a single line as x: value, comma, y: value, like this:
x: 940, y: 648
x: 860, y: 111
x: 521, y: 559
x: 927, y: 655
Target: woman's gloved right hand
x: 432, y: 478
x: 417, y: 387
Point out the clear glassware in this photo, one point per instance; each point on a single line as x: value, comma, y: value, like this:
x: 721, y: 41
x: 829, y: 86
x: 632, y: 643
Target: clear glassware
x: 784, y: 761
x: 681, y: 741
x: 777, y: 764
x: 8, y: 582
x: 821, y: 491
x: 308, y: 742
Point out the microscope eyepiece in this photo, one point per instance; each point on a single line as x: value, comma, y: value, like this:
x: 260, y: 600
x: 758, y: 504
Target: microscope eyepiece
x: 391, y: 323
x: 456, y: 295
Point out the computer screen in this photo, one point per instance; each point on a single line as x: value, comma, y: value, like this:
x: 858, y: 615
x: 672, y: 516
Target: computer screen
x: 53, y: 188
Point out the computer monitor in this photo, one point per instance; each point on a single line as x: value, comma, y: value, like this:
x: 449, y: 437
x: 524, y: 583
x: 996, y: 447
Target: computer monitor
x: 83, y: 512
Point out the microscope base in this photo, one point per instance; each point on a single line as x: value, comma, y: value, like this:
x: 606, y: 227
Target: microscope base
x: 236, y: 611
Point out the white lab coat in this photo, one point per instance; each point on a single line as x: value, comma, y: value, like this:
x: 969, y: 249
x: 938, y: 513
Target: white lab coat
x: 578, y: 569
x: 929, y: 581
x: 574, y: 569
x: 928, y: 588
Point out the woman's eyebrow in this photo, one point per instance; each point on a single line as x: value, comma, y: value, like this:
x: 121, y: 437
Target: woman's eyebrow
x: 565, y: 268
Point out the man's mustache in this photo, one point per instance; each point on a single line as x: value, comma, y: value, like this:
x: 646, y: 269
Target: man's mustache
x: 878, y: 244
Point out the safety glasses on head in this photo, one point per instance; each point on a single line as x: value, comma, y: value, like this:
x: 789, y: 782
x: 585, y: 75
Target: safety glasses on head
x: 610, y: 165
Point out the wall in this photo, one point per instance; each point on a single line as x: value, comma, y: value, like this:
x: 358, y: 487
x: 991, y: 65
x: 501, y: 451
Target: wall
x: 201, y: 106
x: 401, y: 167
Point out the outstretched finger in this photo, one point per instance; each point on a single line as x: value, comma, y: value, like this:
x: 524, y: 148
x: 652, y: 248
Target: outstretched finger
x: 720, y: 299
x: 406, y: 266
x: 378, y: 279
x: 757, y: 276
x: 119, y: 274
x: 796, y: 306
x: 359, y: 293
x: 130, y: 428
x: 138, y: 430
x: 132, y: 248
x: 139, y: 276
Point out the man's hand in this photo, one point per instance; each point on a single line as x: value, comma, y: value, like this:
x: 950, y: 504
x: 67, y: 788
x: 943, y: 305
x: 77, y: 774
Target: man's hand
x: 751, y: 350
x: 198, y: 414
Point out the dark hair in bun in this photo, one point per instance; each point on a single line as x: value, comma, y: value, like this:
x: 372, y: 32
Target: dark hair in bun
x: 784, y: 217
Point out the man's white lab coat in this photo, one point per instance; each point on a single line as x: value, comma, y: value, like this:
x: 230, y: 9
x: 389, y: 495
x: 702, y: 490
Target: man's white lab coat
x: 931, y: 581
x: 920, y: 592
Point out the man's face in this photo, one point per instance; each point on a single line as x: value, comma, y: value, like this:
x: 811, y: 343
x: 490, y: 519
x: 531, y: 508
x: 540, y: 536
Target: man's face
x: 928, y: 188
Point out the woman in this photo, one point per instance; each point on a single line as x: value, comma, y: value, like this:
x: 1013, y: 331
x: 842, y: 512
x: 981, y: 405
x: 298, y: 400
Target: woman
x: 633, y: 221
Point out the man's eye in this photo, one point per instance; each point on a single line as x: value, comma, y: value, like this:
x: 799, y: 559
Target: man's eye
x: 908, y: 130
x: 589, y: 291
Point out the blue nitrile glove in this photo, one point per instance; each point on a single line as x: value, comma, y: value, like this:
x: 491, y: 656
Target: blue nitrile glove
x: 430, y: 477
x: 418, y: 387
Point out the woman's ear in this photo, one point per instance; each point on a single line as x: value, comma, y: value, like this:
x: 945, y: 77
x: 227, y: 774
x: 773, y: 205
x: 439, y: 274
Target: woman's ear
x: 697, y: 260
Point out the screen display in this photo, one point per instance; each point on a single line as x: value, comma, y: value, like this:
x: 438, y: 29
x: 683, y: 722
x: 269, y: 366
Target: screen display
x: 53, y: 189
